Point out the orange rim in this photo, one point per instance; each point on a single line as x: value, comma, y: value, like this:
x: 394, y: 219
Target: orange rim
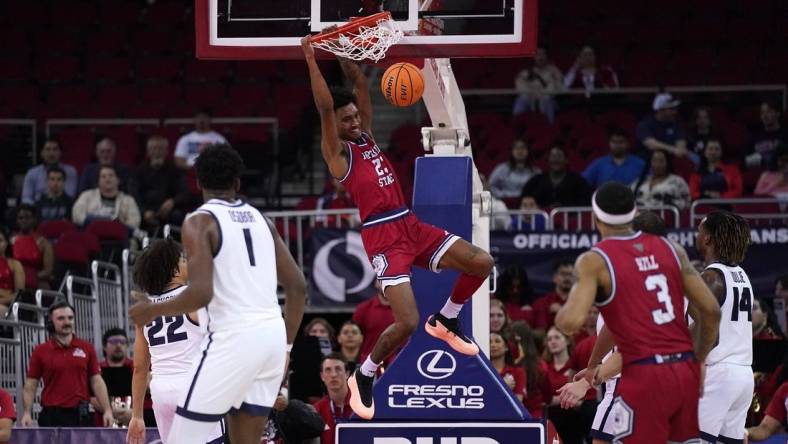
x: 352, y: 25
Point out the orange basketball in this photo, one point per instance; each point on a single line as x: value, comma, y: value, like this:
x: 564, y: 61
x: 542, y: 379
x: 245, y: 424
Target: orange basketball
x: 402, y: 84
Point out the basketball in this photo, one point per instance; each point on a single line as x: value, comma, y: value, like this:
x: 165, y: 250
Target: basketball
x: 402, y: 84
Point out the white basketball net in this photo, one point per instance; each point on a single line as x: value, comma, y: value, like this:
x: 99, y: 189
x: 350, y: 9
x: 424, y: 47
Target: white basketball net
x: 366, y: 42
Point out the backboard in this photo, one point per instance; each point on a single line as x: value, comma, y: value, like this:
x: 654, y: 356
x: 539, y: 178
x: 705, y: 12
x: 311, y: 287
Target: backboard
x: 272, y: 29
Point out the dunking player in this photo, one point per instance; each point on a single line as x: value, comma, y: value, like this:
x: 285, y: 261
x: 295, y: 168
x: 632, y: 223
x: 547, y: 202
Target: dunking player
x: 393, y: 237
x: 234, y: 258
x: 639, y: 281
x: 722, y: 240
x: 168, y: 346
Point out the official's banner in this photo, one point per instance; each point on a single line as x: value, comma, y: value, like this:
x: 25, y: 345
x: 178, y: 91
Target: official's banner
x: 341, y: 272
x: 537, y: 252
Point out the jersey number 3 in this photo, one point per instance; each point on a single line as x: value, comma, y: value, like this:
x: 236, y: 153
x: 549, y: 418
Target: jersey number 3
x: 659, y: 283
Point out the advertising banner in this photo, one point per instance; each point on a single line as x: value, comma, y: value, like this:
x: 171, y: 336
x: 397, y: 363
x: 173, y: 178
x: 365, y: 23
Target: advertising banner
x: 441, y: 433
x: 341, y: 273
x: 77, y: 436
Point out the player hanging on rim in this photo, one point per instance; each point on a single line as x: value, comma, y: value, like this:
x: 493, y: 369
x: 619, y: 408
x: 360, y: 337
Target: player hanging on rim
x: 393, y: 237
x: 235, y: 259
x: 165, y: 348
x: 639, y: 281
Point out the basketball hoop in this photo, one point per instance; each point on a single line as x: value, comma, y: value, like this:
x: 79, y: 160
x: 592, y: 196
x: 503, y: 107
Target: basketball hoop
x: 361, y: 38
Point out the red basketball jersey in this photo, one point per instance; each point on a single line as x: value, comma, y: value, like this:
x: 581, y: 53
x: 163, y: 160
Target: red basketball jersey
x: 645, y: 309
x: 370, y: 178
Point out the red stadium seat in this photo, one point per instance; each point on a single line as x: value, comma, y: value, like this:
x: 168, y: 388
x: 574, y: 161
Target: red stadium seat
x: 57, y: 69
x: 207, y: 95
x: 88, y: 240
x: 71, y: 252
x: 161, y: 93
x: 158, y: 68
x: 53, y: 229
x: 205, y: 70
x: 108, y: 69
x: 78, y: 144
x: 106, y: 40
x: 55, y: 41
x: 165, y: 13
x: 248, y: 94
x: 67, y: 95
x: 107, y: 230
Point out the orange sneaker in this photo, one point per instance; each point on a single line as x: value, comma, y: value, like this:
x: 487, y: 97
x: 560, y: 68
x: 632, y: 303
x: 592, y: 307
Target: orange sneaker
x: 361, y: 400
x: 448, y: 330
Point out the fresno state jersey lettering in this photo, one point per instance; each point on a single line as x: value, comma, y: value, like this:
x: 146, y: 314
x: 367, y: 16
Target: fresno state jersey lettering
x: 645, y: 309
x: 370, y: 178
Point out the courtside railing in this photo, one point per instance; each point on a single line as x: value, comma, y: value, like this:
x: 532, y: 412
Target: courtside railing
x: 581, y: 218
x: 81, y: 295
x: 109, y: 295
x: 11, y: 370
x: 756, y: 210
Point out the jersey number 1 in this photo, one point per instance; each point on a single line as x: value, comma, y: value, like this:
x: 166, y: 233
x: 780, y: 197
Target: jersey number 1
x: 660, y: 283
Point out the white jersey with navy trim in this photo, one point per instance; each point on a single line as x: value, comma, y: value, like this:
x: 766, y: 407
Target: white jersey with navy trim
x: 174, y: 341
x: 244, y: 268
x: 735, y: 339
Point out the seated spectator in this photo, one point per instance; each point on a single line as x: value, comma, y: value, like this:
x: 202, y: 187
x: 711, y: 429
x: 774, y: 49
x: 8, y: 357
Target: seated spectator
x: 335, y: 406
x: 557, y: 365
x: 324, y: 332
x: 585, y: 74
x: 558, y: 186
x: 500, y: 219
x: 190, y: 145
x: 775, y: 416
x: 715, y: 179
x: 537, y: 386
x: 70, y: 372
x: 515, y: 292
x: 105, y: 156
x: 537, y: 85
x: 769, y: 135
x: 661, y: 186
x: 499, y: 319
x: 35, y: 183
x: 764, y: 322
x: 160, y: 187
x: 501, y: 360
x: 585, y: 341
x: 373, y: 316
x: 548, y: 305
x: 7, y: 416
x: 55, y: 204
x: 117, y: 370
x: 106, y: 202
x: 618, y: 166
x: 350, y: 339
x: 34, y: 251
x: 661, y: 131
x: 532, y: 220
x: 337, y: 199
x: 774, y: 182
x: 701, y: 129
x: 12, y: 276
x: 508, y: 178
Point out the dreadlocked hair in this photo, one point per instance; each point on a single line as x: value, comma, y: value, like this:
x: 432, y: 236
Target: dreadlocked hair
x: 158, y: 264
x: 730, y: 234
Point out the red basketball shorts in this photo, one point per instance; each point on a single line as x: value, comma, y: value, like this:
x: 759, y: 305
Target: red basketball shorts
x: 397, y: 239
x: 656, y: 403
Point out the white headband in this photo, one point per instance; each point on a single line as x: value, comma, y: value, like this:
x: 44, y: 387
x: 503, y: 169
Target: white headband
x: 612, y: 219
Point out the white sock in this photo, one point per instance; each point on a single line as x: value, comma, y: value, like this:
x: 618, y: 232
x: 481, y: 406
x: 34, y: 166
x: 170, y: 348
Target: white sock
x: 451, y: 310
x: 368, y: 368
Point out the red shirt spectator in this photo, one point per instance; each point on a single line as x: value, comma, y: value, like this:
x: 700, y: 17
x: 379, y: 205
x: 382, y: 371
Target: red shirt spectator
x: 373, y: 316
x: 535, y: 400
x: 7, y: 415
x: 338, y: 199
x: 779, y: 404
x: 331, y: 413
x: 580, y: 359
x: 513, y: 376
x: 586, y: 74
x: 12, y: 277
x: 65, y: 370
x: 335, y: 406
x: 548, y: 305
x: 715, y: 179
x: 31, y: 249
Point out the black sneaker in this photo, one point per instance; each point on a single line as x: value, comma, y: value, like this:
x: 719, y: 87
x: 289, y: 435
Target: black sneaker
x: 448, y: 330
x: 361, y: 400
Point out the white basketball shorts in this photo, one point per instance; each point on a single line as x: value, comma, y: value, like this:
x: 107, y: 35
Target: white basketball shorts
x: 165, y: 391
x: 237, y: 370
x: 727, y: 394
x: 602, y: 427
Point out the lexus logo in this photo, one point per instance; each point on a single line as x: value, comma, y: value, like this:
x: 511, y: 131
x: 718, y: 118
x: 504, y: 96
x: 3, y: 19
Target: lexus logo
x: 436, y: 364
